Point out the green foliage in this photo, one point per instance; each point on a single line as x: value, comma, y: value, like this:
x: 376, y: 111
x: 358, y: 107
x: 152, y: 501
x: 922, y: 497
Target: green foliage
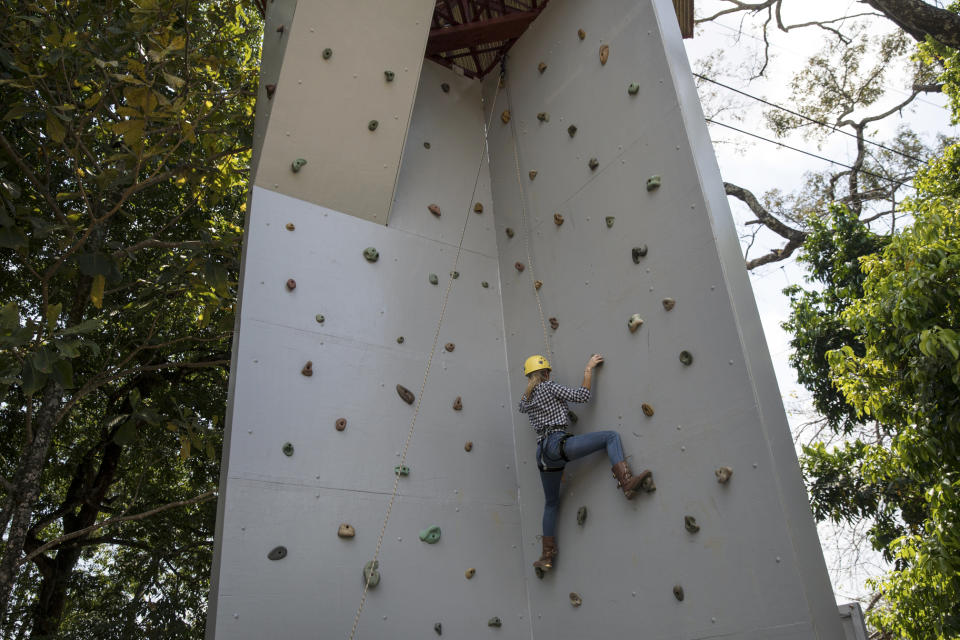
x: 885, y: 336
x: 125, y: 128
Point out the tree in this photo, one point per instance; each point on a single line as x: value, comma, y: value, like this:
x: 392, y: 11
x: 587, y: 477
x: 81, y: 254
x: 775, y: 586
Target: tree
x: 124, y: 148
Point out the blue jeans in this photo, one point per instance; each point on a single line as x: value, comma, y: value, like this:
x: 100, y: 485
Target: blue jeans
x: 548, y: 453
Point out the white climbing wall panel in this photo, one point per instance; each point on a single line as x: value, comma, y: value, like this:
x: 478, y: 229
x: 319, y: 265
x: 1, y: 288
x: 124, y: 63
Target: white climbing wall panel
x: 754, y: 570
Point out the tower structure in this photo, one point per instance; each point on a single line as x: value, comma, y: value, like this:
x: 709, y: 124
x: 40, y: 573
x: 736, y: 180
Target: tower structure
x: 413, y: 223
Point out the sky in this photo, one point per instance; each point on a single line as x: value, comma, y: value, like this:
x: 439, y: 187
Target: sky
x: 760, y: 166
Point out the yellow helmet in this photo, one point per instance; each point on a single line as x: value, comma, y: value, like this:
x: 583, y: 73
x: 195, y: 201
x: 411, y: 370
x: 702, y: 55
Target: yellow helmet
x: 535, y: 363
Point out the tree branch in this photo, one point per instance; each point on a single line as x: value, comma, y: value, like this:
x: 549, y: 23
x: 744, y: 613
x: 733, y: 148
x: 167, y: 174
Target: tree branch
x: 204, y: 497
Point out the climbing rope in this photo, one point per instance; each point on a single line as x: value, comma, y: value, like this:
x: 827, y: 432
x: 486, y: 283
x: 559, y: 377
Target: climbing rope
x: 426, y: 373
x: 525, y: 223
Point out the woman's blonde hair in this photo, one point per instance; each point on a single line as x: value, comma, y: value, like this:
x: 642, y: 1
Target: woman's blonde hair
x: 538, y: 376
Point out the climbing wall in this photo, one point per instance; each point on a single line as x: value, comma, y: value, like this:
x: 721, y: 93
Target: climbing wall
x: 340, y: 303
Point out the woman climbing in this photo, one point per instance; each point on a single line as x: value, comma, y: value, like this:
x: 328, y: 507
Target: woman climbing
x: 545, y: 403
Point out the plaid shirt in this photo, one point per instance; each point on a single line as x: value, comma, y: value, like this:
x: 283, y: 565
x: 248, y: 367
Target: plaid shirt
x: 547, y: 406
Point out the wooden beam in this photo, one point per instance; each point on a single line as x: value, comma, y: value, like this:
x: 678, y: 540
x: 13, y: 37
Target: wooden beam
x: 473, y: 34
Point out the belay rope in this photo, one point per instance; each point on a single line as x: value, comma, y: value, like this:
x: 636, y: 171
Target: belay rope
x: 443, y: 310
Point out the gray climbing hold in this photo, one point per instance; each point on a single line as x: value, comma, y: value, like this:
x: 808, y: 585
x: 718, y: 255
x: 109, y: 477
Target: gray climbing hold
x: 371, y: 577
x: 371, y: 254
x: 686, y: 358
x: 690, y: 524
x: 400, y: 339
x: 372, y: 125
x: 485, y: 284
x: 543, y: 116
x: 288, y: 449
x: 557, y: 219
x: 509, y: 232
x: 280, y: 29
x: 653, y: 182
x: 593, y: 164
x: 438, y: 628
x: 271, y: 89
x: 723, y: 474
x: 401, y: 470
x: 678, y: 592
x: 669, y: 304
x: 434, y: 209
x: 609, y: 221
x: 346, y: 531
x: 648, y: 485
x: 633, y: 89
x: 327, y: 53
x: 433, y: 278
x: 638, y: 252
x: 494, y: 622
x: 298, y: 164
x: 542, y: 67
x: 574, y: 418
x: 634, y: 323
x: 647, y: 410
x: 430, y: 535
x: 575, y: 599
x: 389, y: 75
x: 340, y: 424
x: 319, y: 318
x: 277, y: 553
x: 445, y: 87
x: 604, y: 53
x: 581, y: 515
x: 307, y: 369
x: 572, y: 130
x: 405, y: 394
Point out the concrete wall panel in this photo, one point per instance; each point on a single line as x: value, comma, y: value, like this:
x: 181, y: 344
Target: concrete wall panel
x: 322, y: 107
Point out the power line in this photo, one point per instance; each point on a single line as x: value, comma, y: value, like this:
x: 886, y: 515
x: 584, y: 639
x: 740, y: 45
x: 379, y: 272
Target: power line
x: 808, y: 118
x: 812, y: 155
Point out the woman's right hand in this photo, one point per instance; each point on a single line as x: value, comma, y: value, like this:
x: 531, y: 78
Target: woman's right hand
x: 595, y: 360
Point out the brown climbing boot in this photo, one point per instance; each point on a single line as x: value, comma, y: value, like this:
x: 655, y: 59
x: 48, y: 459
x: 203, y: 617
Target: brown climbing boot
x: 545, y: 563
x: 626, y: 480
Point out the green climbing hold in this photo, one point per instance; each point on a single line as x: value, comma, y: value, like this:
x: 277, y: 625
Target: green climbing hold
x: 573, y: 417
x: 485, y: 284
x: 399, y: 339
x: 445, y: 87
x: 401, y: 470
x: 593, y: 164
x: 638, y: 252
x: 454, y: 274
x: 690, y: 524
x: 438, y: 628
x: 319, y: 318
x: 371, y: 577
x: 287, y: 449
x: 633, y: 89
x: 298, y: 164
x: 509, y: 232
x: 389, y: 75
x: 543, y: 116
x: 371, y: 254
x: 277, y: 553
x: 433, y: 278
x: 327, y: 53
x: 372, y: 125
x: 581, y: 515
x: 610, y: 220
x: 430, y: 535
x: 678, y: 592
x: 653, y: 183
x: 494, y: 622
x: 686, y: 358
x: 572, y: 130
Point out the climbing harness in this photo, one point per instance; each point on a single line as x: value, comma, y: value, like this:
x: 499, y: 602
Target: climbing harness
x: 436, y: 338
x: 563, y: 453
